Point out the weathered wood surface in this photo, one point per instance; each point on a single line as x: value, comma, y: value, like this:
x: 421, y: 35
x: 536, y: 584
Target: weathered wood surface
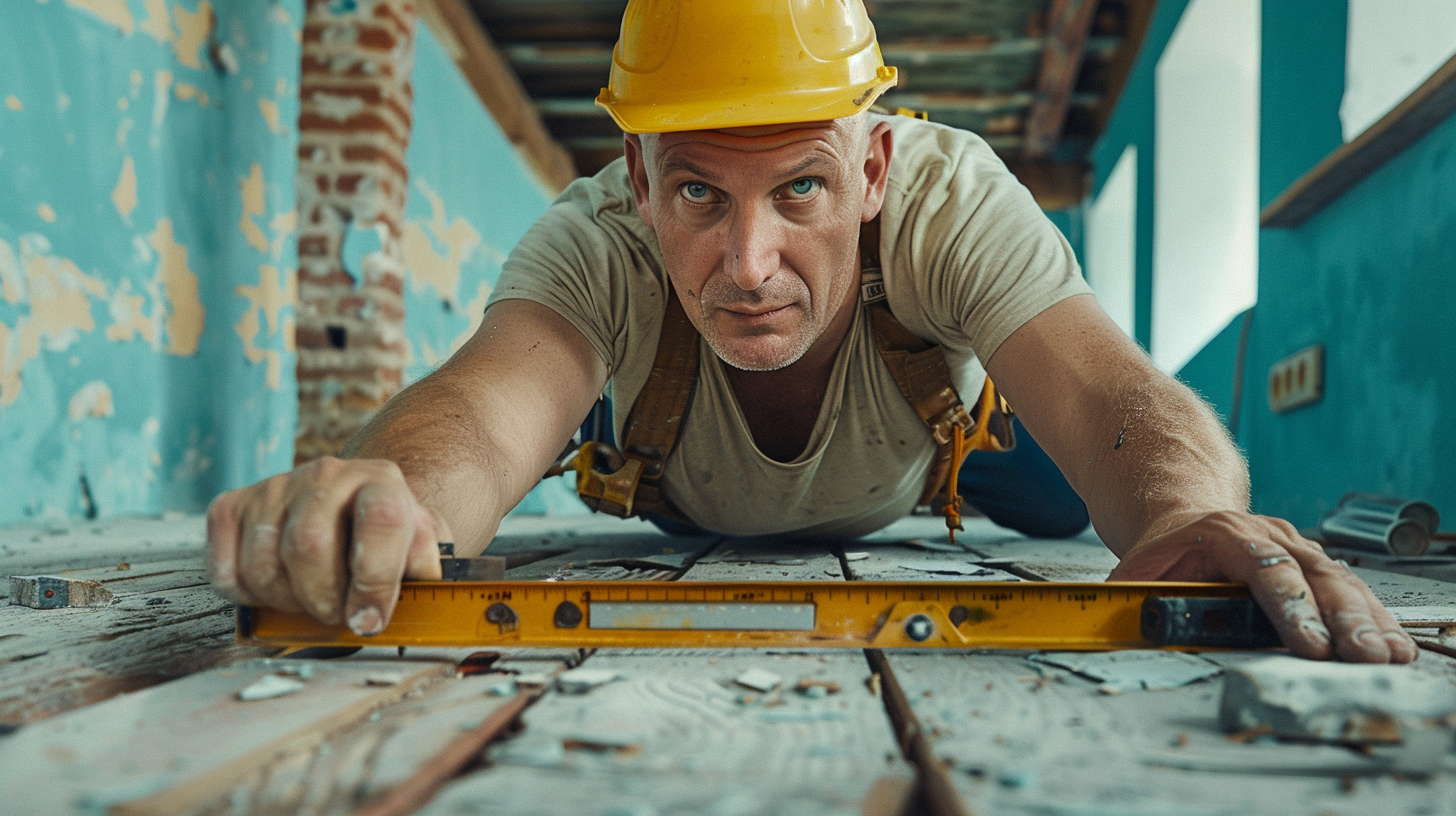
x: 1029, y: 739
x: 676, y: 735
x: 171, y: 748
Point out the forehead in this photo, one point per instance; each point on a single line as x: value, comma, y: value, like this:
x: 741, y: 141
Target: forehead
x: 768, y: 148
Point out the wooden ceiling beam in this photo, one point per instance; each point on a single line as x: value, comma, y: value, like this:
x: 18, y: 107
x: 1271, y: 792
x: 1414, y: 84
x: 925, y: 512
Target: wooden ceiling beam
x: 1054, y: 185
x: 466, y: 42
x: 1068, y: 24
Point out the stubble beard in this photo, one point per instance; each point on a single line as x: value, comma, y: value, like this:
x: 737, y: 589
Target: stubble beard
x: 782, y: 351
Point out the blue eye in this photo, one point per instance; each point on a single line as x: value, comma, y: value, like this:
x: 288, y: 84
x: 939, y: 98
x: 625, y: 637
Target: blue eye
x: 695, y: 190
x: 804, y: 186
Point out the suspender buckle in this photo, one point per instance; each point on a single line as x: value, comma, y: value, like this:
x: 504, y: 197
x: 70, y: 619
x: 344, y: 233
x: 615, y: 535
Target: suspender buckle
x: 953, y: 417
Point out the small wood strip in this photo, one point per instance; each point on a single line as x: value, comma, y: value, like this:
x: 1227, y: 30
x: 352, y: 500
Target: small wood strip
x: 412, y: 794
x: 1347, y: 165
x: 1068, y: 24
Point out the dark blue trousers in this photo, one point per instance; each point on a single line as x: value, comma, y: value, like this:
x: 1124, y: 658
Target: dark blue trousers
x: 1020, y: 489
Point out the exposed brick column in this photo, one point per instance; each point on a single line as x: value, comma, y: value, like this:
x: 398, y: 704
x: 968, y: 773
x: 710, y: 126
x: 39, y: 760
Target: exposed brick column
x: 354, y: 126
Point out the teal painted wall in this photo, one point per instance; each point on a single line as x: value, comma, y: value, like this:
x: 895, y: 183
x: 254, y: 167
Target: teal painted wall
x: 146, y: 227
x: 470, y: 200
x: 147, y: 248
x: 1370, y: 277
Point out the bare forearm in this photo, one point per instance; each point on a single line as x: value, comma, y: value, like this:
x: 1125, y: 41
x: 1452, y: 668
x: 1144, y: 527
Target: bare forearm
x: 1154, y: 454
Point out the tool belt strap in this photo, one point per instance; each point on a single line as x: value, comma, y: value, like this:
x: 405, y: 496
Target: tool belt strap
x: 628, y: 482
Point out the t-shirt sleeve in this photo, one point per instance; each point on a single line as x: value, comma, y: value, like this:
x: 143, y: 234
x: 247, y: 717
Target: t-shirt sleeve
x: 575, y: 260
x: 984, y: 256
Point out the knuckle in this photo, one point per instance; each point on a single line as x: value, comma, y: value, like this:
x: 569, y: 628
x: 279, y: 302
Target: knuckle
x: 373, y: 585
x: 309, y: 540
x: 388, y: 512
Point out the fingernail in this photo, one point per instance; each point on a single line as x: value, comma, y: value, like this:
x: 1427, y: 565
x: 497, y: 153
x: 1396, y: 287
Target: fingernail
x: 1315, y: 630
x: 366, y: 622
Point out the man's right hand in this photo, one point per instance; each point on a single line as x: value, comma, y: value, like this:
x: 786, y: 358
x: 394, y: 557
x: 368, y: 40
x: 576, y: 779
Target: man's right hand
x: 332, y: 538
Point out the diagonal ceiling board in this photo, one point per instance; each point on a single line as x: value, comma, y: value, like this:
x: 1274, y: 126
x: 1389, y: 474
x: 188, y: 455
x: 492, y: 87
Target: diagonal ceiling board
x: 1069, y: 22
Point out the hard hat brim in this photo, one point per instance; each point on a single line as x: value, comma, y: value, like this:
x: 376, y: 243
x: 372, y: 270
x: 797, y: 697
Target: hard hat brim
x: 807, y: 106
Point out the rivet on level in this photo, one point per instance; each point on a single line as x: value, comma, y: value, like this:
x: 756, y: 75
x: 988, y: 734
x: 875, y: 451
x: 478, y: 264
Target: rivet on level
x: 568, y: 615
x: 499, y: 613
x: 959, y: 615
x: 919, y: 628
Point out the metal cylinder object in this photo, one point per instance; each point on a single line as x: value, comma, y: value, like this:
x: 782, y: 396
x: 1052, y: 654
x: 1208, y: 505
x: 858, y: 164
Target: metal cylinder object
x: 1375, y: 534
x: 1392, y: 509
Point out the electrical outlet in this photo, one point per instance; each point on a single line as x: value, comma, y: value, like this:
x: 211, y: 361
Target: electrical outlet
x: 1297, y: 380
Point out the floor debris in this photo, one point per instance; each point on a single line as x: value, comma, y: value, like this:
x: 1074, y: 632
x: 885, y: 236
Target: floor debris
x: 54, y: 592
x: 856, y: 556
x: 758, y: 680
x: 947, y: 567
x: 1132, y: 669
x: 580, y: 681
x: 269, y: 686
x: 384, y: 679
x: 1339, y: 702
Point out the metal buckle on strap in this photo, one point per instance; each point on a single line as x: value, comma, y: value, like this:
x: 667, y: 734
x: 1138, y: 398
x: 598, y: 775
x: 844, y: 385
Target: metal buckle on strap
x: 948, y: 420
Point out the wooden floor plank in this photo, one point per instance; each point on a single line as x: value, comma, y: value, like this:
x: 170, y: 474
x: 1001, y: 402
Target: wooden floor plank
x: 54, y: 660
x: 676, y: 735
x: 173, y: 748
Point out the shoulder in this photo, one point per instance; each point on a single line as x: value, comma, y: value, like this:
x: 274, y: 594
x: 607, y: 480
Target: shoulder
x: 936, y: 164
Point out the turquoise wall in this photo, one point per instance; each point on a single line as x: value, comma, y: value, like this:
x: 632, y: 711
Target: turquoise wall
x: 470, y: 200
x: 146, y: 232
x: 1370, y: 277
x: 147, y: 248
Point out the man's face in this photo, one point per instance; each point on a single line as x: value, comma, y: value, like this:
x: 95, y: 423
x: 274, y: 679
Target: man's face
x: 759, y: 229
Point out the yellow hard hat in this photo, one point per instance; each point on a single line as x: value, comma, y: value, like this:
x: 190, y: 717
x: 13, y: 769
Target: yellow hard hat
x: 709, y: 64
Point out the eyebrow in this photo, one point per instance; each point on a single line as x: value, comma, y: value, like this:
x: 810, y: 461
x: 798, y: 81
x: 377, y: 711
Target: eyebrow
x: 672, y: 165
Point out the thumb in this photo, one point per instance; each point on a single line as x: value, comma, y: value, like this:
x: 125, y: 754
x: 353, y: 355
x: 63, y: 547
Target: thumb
x: 422, y: 562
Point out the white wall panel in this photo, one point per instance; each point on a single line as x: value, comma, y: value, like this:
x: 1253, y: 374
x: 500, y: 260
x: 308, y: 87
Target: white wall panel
x: 1390, y: 49
x: 1111, y: 242
x: 1206, y: 209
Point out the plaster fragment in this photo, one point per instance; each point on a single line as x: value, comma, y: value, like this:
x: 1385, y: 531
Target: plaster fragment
x: 124, y: 195
x: 758, y: 680
x: 856, y: 556
x: 186, y: 91
x: 271, y: 115
x: 158, y: 24
x: 111, y: 12
x: 91, y: 400
x: 269, y: 686
x: 193, y: 29
x: 338, y: 107
x: 1340, y: 702
x: 251, y: 188
x: 580, y: 681
x: 384, y: 679
x: 184, y: 312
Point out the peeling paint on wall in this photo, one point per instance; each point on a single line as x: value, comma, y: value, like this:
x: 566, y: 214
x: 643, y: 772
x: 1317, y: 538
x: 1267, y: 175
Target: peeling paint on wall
x: 92, y: 400
x: 184, y: 310
x: 271, y: 115
x: 58, y: 294
x: 253, y: 207
x: 111, y: 12
x: 124, y: 195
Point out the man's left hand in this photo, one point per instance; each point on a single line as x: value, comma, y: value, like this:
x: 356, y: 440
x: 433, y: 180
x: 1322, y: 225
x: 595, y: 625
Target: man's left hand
x: 1319, y: 607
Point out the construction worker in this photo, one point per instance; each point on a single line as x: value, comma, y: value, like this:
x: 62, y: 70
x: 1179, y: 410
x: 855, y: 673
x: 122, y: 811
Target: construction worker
x: 751, y: 279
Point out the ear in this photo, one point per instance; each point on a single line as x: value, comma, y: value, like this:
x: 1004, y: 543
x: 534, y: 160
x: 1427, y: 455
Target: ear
x: 637, y: 175
x: 877, y: 169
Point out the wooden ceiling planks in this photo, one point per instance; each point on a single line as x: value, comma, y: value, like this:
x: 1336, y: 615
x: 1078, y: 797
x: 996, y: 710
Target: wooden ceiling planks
x: 979, y: 65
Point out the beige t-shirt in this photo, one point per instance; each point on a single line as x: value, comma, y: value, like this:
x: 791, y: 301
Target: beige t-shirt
x: 968, y: 257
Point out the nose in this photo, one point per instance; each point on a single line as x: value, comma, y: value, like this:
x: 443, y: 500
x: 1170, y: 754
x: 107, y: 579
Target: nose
x: 752, y: 252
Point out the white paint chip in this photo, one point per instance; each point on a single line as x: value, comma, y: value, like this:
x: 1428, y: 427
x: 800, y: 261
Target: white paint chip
x: 758, y: 680
x: 269, y: 686
x: 856, y: 556
x: 384, y: 679
x: 946, y: 567
x: 580, y: 681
